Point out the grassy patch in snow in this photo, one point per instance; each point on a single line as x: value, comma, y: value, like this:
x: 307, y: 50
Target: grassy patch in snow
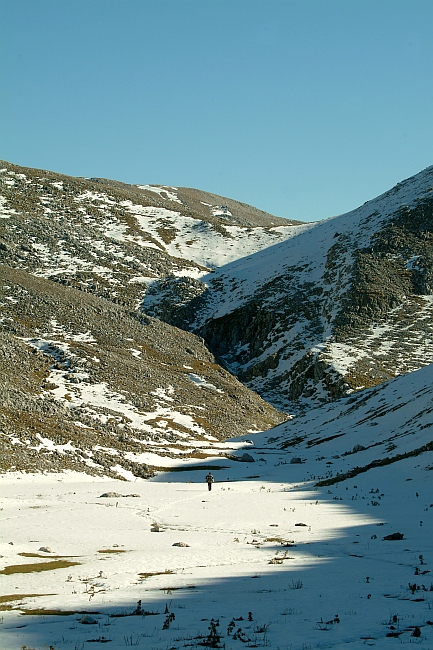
x: 192, y: 468
x: 48, y: 612
x: 318, y: 441
x: 52, y: 557
x: 296, y: 440
x: 37, y: 567
x: 149, y: 574
x: 201, y: 455
x: 6, y: 599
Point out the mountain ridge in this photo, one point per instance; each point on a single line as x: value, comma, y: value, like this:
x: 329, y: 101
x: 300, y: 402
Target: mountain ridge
x: 302, y: 314
x: 334, y: 284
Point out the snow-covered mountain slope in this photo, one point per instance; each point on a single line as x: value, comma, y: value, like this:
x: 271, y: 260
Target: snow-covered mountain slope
x: 301, y: 313
x: 333, y: 551
x: 342, y: 304
x: 373, y: 428
x: 113, y: 239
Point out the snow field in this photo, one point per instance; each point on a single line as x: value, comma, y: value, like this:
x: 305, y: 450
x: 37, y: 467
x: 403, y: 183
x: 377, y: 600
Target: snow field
x: 335, y: 564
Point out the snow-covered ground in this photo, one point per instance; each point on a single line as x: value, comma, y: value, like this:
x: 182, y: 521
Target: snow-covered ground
x: 276, y: 560
x: 246, y: 553
x: 188, y: 238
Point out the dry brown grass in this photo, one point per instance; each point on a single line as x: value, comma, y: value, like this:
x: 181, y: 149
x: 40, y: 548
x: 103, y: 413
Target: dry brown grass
x: 5, y: 600
x: 9, y: 597
x: 52, y: 557
x: 167, y: 234
x: 149, y: 574
x: 37, y: 567
x: 200, y: 455
x: 47, y: 612
x: 191, y: 468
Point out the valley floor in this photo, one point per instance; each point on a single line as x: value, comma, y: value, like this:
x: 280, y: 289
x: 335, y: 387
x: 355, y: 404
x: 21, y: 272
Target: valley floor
x: 265, y: 559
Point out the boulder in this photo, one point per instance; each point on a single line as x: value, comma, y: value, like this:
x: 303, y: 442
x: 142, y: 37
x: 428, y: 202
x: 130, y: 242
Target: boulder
x: 88, y: 620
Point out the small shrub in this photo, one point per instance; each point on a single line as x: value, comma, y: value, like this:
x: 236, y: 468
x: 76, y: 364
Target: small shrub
x: 394, y: 537
x: 169, y: 619
x: 261, y: 629
x: 213, y: 639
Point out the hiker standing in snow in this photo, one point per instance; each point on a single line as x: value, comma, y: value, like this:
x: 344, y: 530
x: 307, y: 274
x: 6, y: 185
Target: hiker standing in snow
x: 209, y: 481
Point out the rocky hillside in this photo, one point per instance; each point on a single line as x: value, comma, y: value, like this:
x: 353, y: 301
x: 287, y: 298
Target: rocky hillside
x: 116, y: 240
x: 344, y: 304
x: 88, y: 386
x: 87, y: 379
x: 115, y: 299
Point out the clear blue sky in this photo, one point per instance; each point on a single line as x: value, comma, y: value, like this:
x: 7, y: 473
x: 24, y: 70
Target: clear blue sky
x: 305, y: 108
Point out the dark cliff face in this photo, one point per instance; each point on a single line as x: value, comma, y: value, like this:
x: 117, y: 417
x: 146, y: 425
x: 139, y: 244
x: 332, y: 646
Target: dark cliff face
x: 396, y: 266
